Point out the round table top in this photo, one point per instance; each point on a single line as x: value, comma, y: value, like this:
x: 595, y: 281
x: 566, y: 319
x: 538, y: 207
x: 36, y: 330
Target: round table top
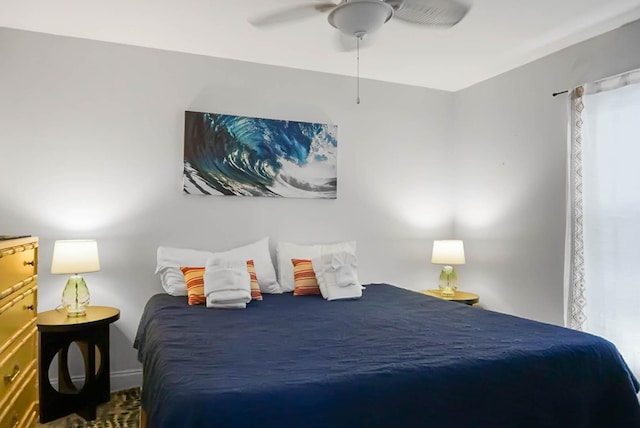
x: 460, y: 296
x: 57, y: 319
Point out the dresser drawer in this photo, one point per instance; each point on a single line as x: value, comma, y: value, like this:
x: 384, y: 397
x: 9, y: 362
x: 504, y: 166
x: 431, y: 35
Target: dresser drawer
x: 15, y: 314
x: 15, y: 361
x: 16, y: 264
x: 20, y: 407
x: 30, y: 418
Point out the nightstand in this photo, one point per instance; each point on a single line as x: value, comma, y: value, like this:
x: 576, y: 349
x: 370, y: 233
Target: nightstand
x: 91, y: 333
x: 460, y: 296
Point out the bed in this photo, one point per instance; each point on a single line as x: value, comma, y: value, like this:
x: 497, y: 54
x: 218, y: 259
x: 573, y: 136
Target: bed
x: 394, y: 358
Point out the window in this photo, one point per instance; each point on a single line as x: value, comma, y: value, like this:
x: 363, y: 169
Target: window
x: 608, y: 159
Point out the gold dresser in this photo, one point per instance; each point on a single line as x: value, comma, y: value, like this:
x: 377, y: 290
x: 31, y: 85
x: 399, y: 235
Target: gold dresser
x: 18, y: 338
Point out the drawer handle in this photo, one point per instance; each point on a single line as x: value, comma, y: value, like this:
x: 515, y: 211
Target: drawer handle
x: 28, y: 307
x: 31, y: 263
x: 10, y: 378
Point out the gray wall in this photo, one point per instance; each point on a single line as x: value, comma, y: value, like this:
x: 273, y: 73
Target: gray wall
x: 91, y: 138
x: 510, y: 149
x: 91, y: 146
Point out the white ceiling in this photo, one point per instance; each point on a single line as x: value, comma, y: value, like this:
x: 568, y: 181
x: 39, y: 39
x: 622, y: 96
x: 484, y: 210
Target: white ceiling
x: 496, y: 36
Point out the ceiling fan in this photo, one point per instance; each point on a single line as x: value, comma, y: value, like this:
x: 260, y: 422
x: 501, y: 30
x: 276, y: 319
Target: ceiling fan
x: 359, y: 18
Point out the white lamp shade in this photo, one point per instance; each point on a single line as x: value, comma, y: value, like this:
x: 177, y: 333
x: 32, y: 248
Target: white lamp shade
x: 75, y: 256
x: 360, y: 17
x: 448, y: 252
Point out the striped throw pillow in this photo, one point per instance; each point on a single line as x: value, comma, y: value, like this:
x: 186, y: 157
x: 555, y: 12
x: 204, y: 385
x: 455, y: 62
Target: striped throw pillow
x: 304, y: 278
x: 255, y: 288
x: 194, y: 277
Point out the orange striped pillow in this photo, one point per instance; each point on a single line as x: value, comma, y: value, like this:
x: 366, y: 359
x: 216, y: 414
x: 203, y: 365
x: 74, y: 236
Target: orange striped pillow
x: 304, y: 278
x: 194, y: 277
x: 255, y: 288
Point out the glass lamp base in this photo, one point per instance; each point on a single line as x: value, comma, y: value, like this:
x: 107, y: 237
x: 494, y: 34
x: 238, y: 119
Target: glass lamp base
x: 75, y: 297
x: 78, y: 313
x: 448, y: 282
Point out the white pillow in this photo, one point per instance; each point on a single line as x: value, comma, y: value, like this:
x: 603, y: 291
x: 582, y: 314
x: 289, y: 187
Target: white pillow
x: 226, y: 260
x: 337, y: 276
x: 169, y: 261
x: 259, y: 253
x: 287, y: 251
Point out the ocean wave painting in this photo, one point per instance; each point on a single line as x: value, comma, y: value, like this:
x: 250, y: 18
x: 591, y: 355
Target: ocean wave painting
x: 247, y: 156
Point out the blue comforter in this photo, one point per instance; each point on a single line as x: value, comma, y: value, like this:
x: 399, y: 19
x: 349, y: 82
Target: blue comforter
x: 394, y: 358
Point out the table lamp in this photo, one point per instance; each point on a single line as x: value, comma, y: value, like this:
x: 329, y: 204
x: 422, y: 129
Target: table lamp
x: 448, y: 253
x: 75, y: 257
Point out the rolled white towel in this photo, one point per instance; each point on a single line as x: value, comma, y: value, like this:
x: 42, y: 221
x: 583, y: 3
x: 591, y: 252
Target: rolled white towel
x: 227, y: 286
x: 226, y: 305
x: 332, y: 286
x: 345, y: 267
x: 229, y: 296
x: 224, y: 279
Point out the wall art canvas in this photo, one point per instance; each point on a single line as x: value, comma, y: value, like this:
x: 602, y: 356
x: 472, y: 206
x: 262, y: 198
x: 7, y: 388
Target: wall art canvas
x: 248, y: 156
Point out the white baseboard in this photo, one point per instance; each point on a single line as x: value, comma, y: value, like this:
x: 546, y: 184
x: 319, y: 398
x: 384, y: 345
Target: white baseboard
x: 124, y: 379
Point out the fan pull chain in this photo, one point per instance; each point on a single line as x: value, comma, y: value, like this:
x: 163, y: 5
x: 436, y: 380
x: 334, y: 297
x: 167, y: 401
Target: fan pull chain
x: 358, y: 38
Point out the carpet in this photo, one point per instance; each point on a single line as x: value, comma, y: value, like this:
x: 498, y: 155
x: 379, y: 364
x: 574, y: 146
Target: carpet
x: 122, y: 412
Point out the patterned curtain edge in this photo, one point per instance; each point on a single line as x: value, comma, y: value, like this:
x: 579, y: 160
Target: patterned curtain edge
x: 576, y: 298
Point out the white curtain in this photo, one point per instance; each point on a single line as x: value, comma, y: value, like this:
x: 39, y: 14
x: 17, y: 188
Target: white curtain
x: 603, y: 235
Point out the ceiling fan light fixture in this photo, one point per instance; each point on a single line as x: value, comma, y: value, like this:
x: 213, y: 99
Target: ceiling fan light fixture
x: 360, y: 17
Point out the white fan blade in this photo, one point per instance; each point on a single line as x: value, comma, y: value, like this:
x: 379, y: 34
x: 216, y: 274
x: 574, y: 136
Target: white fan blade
x: 437, y: 13
x: 291, y: 13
